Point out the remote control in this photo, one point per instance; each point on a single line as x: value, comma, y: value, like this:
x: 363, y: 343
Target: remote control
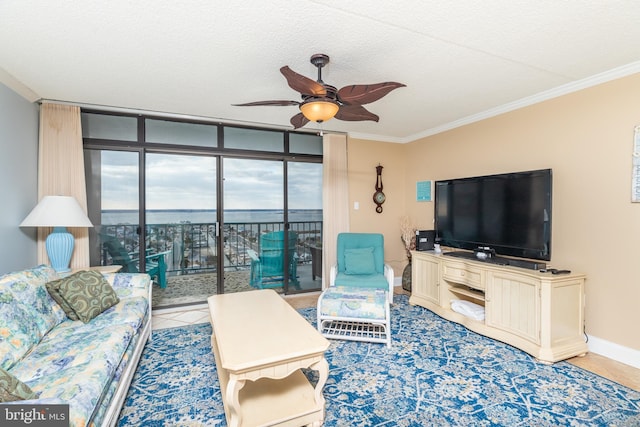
x: 554, y: 271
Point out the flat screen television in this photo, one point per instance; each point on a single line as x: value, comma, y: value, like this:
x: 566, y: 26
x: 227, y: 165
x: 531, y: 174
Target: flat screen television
x: 507, y: 213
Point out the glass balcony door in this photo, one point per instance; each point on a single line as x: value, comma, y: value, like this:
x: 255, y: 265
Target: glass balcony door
x: 304, y: 196
x: 254, y: 225
x: 114, y: 209
x: 182, y: 225
x: 272, y: 225
x: 156, y: 194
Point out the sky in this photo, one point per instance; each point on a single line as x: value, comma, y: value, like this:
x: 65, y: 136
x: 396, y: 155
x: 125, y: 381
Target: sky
x: 188, y: 182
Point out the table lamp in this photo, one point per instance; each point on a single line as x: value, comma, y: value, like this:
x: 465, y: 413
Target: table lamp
x: 58, y: 212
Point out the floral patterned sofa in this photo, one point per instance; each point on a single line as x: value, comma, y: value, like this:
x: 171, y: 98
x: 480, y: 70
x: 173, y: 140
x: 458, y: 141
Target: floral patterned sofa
x: 46, y: 357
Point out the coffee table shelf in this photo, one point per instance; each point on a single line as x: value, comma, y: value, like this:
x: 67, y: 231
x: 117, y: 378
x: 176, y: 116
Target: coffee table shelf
x: 260, y: 344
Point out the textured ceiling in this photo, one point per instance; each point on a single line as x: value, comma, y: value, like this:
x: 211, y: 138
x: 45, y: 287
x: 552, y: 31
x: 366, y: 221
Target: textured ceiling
x: 461, y: 60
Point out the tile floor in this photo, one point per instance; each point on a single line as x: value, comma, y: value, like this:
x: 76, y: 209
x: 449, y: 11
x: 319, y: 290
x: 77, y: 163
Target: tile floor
x: 193, y: 314
x: 180, y: 316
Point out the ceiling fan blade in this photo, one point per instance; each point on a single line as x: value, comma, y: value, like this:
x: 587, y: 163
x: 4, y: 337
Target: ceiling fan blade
x: 299, y: 120
x: 355, y: 113
x: 364, y: 94
x: 302, y: 84
x: 274, y: 102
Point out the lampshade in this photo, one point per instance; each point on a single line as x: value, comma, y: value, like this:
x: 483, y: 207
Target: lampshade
x: 58, y: 212
x: 319, y: 110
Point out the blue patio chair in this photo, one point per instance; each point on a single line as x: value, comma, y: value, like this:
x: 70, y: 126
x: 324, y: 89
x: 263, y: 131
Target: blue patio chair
x: 267, y: 268
x: 155, y: 264
x: 360, y: 263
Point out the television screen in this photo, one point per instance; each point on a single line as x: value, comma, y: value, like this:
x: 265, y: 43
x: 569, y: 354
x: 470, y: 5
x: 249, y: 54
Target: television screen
x: 509, y: 213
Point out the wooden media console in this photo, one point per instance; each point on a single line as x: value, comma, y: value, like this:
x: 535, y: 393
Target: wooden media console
x: 539, y: 313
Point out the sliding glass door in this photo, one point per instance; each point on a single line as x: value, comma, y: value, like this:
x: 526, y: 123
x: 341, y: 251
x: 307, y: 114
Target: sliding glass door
x: 113, y: 205
x: 253, y: 224
x: 203, y: 207
x: 304, y: 197
x: 181, y: 226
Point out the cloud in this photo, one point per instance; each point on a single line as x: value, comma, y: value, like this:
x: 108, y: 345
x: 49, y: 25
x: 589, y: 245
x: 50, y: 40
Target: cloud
x: 189, y: 182
x: 180, y: 182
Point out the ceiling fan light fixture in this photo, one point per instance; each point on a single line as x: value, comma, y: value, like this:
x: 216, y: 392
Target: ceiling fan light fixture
x: 322, y: 102
x: 319, y: 110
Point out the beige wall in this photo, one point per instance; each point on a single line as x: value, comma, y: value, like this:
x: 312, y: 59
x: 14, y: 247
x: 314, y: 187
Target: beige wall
x: 587, y: 139
x: 363, y: 157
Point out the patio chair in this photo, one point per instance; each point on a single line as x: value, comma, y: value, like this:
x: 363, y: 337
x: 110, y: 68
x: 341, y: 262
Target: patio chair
x: 360, y: 263
x: 267, y: 268
x: 155, y: 264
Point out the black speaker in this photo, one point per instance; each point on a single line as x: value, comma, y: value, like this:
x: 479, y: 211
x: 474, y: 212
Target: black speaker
x: 425, y: 240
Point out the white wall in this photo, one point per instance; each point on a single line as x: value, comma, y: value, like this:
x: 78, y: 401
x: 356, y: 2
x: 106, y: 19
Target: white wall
x: 18, y: 179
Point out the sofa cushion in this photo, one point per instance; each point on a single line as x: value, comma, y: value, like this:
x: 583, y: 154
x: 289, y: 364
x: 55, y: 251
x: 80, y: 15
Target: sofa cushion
x: 28, y: 288
x: 129, y: 311
x: 18, y: 330
x: 87, y: 293
x: 359, y: 261
x: 76, y: 367
x: 12, y: 389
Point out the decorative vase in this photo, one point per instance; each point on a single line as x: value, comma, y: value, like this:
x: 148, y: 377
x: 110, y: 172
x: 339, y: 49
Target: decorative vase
x: 406, y: 278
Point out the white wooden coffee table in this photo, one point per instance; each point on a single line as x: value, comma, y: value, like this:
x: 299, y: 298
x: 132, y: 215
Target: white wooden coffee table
x: 260, y: 343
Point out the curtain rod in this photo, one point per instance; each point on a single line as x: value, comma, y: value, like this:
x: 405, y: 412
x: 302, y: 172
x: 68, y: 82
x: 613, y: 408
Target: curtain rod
x: 126, y: 110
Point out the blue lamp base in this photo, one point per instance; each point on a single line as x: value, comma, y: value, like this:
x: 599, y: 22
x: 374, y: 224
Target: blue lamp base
x: 59, y: 246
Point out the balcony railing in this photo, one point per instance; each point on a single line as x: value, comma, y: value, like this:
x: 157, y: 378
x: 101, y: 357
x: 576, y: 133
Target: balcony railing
x: 194, y: 246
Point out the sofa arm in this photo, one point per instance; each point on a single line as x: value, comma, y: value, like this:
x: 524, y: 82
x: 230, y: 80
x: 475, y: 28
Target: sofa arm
x: 130, y: 284
x: 128, y: 280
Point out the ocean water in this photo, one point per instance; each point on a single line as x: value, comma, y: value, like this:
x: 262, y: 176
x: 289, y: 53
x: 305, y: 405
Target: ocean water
x: 112, y: 217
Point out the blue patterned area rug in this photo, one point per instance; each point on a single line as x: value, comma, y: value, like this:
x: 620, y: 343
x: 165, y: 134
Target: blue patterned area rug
x: 437, y: 373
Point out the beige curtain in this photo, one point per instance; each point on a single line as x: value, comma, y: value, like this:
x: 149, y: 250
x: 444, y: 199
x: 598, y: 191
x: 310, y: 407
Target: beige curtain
x: 61, y: 171
x: 335, y: 198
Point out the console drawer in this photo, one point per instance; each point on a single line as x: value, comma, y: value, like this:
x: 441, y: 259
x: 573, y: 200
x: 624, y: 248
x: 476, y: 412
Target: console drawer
x: 463, y: 274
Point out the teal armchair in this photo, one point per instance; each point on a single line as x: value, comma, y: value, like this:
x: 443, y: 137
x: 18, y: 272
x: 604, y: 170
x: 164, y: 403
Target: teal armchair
x: 360, y: 263
x: 155, y: 264
x: 267, y: 267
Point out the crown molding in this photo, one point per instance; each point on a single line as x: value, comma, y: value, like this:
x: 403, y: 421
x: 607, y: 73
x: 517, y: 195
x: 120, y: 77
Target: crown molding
x: 17, y: 86
x: 607, y: 76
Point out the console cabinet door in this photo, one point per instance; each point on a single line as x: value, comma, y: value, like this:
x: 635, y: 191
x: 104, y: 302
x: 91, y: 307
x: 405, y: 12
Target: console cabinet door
x: 426, y: 280
x: 513, y: 305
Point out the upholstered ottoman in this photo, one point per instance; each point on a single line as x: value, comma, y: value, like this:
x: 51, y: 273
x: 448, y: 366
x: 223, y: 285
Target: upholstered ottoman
x: 357, y: 314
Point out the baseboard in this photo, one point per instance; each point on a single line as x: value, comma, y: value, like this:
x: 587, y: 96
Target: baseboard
x: 614, y: 351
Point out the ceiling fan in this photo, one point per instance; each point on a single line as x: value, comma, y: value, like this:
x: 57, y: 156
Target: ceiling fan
x: 321, y: 102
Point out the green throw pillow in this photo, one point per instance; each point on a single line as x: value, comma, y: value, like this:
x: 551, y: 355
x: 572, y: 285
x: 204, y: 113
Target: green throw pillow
x: 359, y: 261
x: 12, y: 389
x: 88, y: 294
